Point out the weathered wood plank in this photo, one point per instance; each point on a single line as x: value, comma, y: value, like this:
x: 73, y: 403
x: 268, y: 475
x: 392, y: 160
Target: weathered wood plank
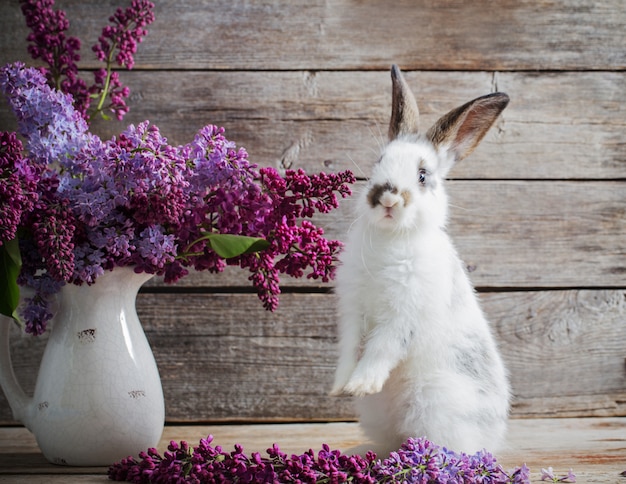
x: 593, y: 447
x: 555, y: 344
x: 223, y: 358
x: 558, y: 234
x: 512, y: 234
x: 270, y: 35
x: 560, y: 365
x: 62, y: 476
x: 558, y: 126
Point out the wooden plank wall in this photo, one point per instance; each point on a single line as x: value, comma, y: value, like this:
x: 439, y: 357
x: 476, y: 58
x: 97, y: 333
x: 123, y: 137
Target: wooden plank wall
x: 538, y: 211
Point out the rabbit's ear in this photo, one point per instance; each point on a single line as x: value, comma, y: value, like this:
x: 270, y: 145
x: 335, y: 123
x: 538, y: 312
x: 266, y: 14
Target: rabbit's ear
x: 404, y: 111
x: 464, y: 127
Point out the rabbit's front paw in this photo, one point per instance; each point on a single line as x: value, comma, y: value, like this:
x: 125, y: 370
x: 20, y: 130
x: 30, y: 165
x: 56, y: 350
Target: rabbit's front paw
x: 337, y: 391
x: 365, y: 382
x: 345, y: 368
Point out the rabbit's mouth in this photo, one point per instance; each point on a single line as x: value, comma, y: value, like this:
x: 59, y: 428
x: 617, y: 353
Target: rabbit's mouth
x: 388, y: 218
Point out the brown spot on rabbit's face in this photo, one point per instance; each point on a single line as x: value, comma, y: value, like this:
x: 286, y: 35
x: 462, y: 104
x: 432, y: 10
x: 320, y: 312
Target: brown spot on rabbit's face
x: 377, y: 191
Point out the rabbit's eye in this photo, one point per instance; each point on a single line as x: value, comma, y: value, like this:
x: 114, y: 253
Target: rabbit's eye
x: 422, y: 176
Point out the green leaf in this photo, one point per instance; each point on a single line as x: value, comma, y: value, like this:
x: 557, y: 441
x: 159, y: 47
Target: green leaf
x: 229, y: 245
x: 10, y: 265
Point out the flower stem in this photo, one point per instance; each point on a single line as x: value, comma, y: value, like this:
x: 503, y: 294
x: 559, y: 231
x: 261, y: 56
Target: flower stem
x: 107, y: 83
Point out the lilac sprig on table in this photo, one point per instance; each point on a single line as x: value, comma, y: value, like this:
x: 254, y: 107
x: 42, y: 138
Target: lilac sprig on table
x: 549, y: 475
x: 417, y: 461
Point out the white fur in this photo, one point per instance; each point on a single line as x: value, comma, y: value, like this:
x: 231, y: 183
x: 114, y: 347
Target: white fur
x: 415, y: 347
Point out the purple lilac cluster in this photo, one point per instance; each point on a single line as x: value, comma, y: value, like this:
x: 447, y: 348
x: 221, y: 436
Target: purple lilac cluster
x: 49, y: 42
x: 288, y: 202
x: 18, y: 183
x: 127, y: 30
x: 417, y: 461
x: 228, y: 195
x: 135, y: 200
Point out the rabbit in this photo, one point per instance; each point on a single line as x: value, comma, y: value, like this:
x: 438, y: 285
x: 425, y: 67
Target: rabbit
x: 415, y: 348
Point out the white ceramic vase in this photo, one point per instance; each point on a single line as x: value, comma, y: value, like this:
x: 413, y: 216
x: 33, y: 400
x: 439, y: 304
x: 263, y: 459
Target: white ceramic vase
x: 98, y: 396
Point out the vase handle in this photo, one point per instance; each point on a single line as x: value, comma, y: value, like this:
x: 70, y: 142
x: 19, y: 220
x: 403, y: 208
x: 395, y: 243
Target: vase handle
x: 18, y: 401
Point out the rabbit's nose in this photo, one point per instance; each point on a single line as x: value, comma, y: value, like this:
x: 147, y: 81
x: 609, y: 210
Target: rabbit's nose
x: 389, y: 200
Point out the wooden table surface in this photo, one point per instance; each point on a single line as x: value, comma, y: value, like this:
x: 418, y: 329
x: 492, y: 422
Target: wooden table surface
x: 595, y: 448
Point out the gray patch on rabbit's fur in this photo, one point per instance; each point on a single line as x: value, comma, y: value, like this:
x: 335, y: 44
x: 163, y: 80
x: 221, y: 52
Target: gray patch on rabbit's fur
x: 476, y: 363
x: 377, y: 191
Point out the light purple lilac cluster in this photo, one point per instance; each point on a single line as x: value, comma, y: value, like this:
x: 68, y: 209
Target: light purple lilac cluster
x: 417, y: 461
x: 48, y: 41
x: 135, y: 200
x: 54, y: 130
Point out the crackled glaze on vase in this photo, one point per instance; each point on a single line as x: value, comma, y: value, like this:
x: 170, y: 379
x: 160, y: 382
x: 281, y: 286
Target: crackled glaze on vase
x: 98, y: 396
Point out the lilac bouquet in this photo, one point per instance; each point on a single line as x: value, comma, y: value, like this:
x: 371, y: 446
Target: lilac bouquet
x: 417, y: 461
x: 74, y: 205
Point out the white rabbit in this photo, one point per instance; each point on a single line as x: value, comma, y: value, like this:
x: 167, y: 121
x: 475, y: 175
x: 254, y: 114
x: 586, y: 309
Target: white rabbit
x: 415, y: 347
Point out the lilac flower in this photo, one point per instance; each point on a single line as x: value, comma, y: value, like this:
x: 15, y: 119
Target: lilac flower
x: 35, y: 308
x: 214, y: 159
x: 549, y: 475
x: 417, y: 461
x: 18, y: 182
x: 118, y: 42
x: 85, y: 205
x: 155, y: 249
x: 127, y: 31
x: 37, y: 313
x: 54, y: 129
x: 136, y: 200
x: 238, y: 199
x: 53, y: 228
x: 49, y: 42
x: 520, y: 475
x: 89, y: 264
